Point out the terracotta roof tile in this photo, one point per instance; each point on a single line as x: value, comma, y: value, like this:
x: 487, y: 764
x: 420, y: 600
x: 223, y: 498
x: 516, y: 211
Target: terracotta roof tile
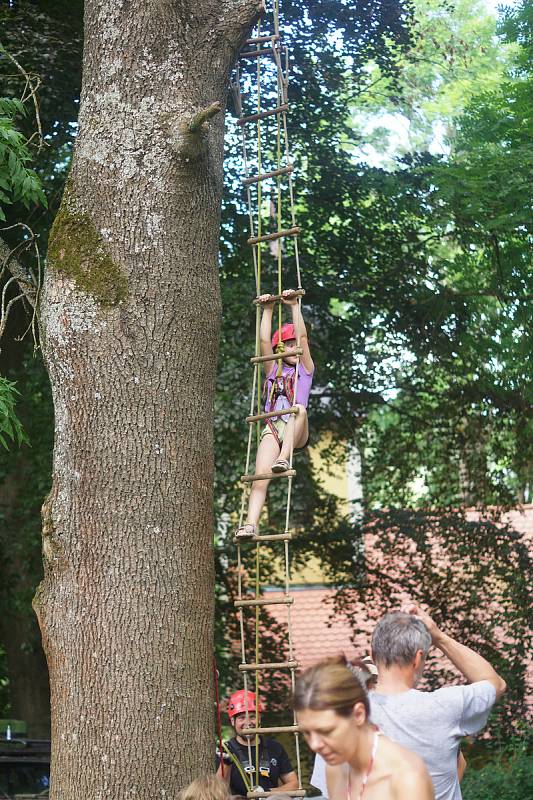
x: 315, y: 636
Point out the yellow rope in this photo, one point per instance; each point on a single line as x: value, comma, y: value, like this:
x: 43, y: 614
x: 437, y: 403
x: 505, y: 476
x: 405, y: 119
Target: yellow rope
x: 258, y: 346
x: 237, y: 763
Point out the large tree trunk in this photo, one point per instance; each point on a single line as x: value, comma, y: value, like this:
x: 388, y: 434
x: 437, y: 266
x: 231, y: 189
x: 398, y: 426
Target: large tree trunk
x: 130, y: 317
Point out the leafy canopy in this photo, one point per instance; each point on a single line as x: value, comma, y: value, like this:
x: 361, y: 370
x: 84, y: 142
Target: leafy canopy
x: 18, y: 181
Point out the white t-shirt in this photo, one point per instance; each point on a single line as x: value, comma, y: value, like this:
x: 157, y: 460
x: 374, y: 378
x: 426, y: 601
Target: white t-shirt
x: 430, y: 724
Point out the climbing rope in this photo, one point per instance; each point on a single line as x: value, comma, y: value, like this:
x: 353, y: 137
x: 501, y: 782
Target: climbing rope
x: 265, y: 100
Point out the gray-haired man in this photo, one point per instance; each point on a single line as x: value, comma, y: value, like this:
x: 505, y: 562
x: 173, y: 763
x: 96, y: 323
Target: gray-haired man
x: 428, y: 723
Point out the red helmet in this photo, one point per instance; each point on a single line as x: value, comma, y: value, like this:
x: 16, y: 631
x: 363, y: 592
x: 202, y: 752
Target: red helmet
x: 238, y: 702
x: 287, y: 332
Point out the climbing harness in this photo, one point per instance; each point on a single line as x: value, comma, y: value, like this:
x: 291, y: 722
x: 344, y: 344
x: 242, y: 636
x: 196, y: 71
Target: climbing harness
x: 262, y: 107
x: 234, y: 758
x: 275, y: 387
x: 241, y: 753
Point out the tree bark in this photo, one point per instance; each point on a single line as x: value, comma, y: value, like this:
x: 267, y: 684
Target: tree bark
x: 130, y: 320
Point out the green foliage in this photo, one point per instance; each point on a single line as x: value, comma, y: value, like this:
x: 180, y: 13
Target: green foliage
x: 29, y: 472
x: 18, y: 182
x: 25, y: 477
x: 507, y: 777
x: 457, y: 424
x: 46, y: 42
x: 10, y: 427
x: 45, y: 38
x: 453, y: 56
x: 418, y: 281
x: 323, y: 71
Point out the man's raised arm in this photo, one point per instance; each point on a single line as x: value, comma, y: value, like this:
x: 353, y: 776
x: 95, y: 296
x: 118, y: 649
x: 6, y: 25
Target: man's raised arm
x: 473, y: 666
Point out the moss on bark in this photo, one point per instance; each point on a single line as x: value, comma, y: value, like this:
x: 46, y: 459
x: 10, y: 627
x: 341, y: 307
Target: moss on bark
x: 77, y: 249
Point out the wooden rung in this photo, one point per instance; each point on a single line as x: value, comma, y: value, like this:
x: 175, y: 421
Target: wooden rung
x: 263, y: 601
x: 283, y: 729
x: 296, y: 351
x: 292, y: 793
x: 258, y: 667
x: 267, y: 476
x: 258, y: 39
x: 277, y: 297
x: 262, y: 114
x: 270, y: 414
x: 270, y: 237
x: 277, y: 537
x: 265, y: 51
x: 264, y: 175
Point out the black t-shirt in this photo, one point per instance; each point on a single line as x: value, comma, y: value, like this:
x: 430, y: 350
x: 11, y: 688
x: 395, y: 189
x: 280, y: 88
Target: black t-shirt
x: 273, y: 762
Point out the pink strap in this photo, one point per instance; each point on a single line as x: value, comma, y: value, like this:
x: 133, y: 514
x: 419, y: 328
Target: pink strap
x: 368, y: 771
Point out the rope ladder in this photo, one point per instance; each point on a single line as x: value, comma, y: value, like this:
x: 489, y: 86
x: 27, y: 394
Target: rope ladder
x: 267, y: 164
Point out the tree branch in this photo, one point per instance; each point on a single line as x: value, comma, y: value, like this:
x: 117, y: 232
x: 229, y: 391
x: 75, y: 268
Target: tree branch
x: 201, y: 117
x: 23, y: 276
x: 188, y: 138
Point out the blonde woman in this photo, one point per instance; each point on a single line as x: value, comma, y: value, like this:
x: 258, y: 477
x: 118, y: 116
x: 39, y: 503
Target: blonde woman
x: 361, y: 764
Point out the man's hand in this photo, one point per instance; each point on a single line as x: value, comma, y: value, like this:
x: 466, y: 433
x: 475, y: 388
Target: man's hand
x: 424, y: 617
x: 473, y: 666
x: 224, y: 772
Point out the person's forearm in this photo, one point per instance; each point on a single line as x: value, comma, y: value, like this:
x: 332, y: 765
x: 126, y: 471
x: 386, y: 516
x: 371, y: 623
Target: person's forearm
x: 265, y: 331
x: 298, y: 321
x: 291, y: 784
x: 473, y: 666
x: 461, y: 766
x: 226, y: 774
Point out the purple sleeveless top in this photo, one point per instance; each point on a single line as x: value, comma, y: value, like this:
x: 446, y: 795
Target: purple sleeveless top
x: 284, y: 383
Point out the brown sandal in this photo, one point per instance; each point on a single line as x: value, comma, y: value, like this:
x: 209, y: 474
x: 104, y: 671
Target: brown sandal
x: 280, y: 465
x: 246, y: 531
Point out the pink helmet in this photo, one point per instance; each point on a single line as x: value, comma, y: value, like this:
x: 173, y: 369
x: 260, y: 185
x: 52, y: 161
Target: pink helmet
x: 287, y: 332
x: 237, y: 703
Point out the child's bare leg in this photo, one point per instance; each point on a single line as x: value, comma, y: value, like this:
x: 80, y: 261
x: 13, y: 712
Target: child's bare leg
x: 297, y: 431
x: 267, y: 452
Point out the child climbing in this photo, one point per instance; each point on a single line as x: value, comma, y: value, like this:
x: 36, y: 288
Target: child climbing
x: 287, y: 431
